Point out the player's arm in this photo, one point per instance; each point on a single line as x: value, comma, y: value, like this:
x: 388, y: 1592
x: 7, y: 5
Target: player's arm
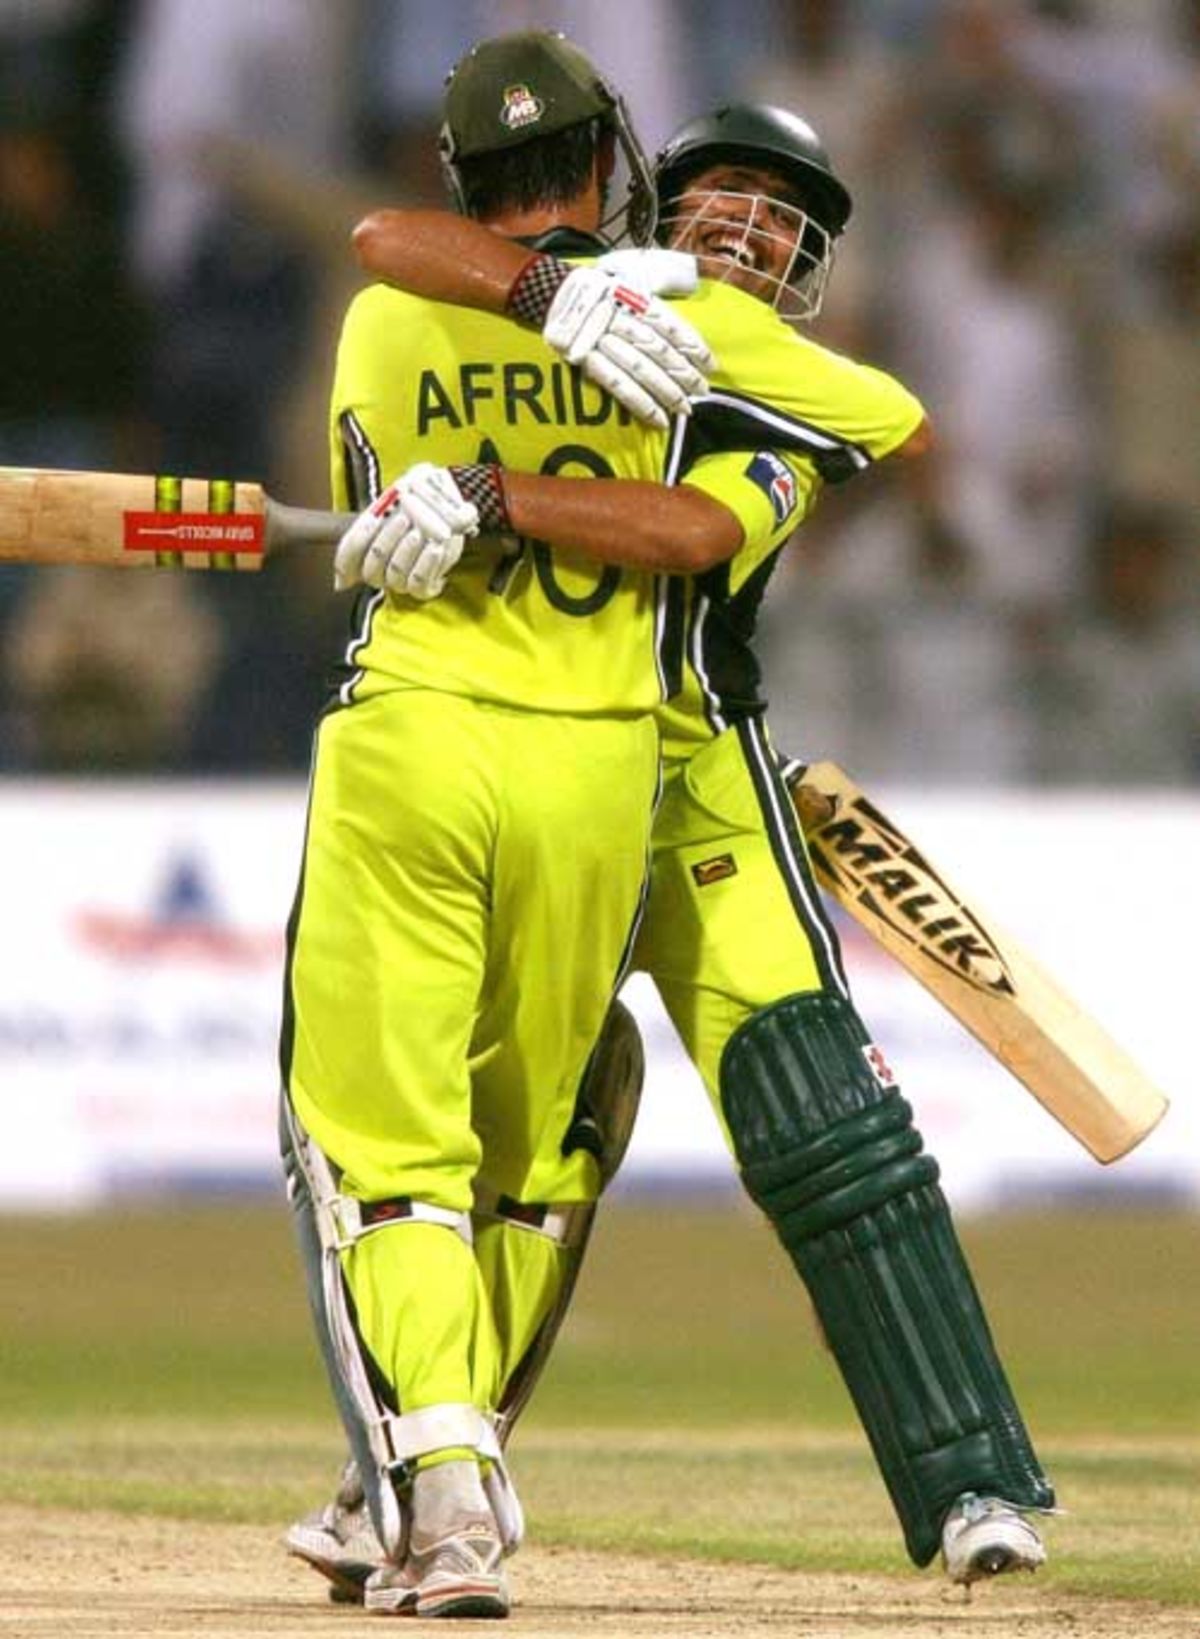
x: 441, y: 256
x: 731, y: 502
x: 614, y: 327
x: 627, y: 521
x: 412, y: 536
x: 918, y: 443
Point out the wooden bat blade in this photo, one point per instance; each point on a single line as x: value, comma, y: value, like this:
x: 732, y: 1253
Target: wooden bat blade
x: 126, y: 520
x: 981, y: 975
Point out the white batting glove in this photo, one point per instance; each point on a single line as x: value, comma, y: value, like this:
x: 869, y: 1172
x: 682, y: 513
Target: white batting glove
x: 630, y: 343
x: 653, y: 270
x: 408, y: 540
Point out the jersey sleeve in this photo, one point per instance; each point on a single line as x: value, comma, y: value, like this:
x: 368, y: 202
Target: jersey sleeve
x: 879, y: 413
x: 769, y: 495
x: 779, y: 390
x: 765, y: 492
x: 345, y: 399
x: 371, y: 400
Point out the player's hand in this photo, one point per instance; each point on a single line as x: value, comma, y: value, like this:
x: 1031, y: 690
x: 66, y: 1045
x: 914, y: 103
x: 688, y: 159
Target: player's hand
x: 408, y: 540
x: 630, y: 343
x: 653, y: 269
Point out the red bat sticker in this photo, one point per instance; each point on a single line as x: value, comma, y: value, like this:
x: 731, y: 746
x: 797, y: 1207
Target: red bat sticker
x: 194, y: 532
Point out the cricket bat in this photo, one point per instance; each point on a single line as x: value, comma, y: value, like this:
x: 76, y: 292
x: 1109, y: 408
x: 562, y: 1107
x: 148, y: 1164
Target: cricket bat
x: 981, y: 975
x: 109, y: 518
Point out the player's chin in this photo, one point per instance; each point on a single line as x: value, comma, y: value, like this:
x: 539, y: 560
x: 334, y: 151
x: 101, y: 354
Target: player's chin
x: 737, y: 274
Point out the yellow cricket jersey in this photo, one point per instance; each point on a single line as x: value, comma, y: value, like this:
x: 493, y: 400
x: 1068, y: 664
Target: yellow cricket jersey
x: 424, y: 381
x: 556, y: 630
x: 804, y: 416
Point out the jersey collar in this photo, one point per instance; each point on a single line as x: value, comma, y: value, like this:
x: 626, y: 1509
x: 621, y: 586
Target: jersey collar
x: 568, y: 242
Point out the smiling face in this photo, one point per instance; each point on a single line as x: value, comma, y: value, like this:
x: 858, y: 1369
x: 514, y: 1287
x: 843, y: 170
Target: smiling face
x: 747, y: 226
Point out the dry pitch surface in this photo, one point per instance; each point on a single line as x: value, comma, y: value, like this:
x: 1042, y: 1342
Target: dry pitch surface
x: 93, y: 1576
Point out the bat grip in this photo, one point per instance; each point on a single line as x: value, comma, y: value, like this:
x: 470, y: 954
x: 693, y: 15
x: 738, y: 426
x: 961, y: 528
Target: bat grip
x: 302, y: 526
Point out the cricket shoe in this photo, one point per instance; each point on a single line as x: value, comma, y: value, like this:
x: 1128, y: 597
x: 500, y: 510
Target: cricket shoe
x: 457, y: 1576
x: 984, y: 1536
x: 339, y: 1541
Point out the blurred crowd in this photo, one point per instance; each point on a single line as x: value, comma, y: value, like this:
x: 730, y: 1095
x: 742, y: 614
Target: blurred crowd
x: 177, y: 185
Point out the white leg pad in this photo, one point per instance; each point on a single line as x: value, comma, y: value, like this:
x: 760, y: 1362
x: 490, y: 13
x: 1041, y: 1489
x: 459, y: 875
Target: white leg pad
x: 505, y: 1504
x: 393, y: 1440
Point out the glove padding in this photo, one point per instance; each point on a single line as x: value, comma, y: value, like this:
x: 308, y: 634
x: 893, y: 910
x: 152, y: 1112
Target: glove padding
x: 408, y: 540
x: 629, y: 343
x: 653, y: 269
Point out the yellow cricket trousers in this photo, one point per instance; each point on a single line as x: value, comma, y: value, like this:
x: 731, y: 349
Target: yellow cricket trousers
x: 734, y: 921
x: 472, y: 878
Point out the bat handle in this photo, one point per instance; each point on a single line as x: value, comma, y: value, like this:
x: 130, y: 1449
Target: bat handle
x: 301, y: 526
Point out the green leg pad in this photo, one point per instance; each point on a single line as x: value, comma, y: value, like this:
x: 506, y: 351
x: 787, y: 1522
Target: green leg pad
x: 830, y: 1154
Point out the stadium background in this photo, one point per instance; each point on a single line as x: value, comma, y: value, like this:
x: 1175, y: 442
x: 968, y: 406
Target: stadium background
x: 1015, y: 644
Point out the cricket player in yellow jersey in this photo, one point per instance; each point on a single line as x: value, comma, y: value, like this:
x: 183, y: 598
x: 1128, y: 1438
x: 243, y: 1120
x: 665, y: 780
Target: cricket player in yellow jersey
x: 478, y: 828
x: 734, y: 936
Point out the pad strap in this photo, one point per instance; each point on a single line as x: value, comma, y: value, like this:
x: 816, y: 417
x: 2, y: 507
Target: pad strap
x: 351, y: 1218
x: 558, y: 1223
x: 415, y: 1434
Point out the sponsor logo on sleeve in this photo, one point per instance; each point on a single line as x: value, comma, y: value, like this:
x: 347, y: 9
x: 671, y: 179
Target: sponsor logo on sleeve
x: 777, y: 482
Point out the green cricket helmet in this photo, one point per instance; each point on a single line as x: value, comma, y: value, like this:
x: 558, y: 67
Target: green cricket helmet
x: 515, y: 87
x: 741, y: 231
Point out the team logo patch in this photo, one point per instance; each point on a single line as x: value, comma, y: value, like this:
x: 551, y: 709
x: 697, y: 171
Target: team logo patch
x: 714, y: 870
x: 521, y: 107
x: 777, y: 482
x: 879, y: 1066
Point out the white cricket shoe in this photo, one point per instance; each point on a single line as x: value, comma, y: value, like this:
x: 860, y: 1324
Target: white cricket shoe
x: 983, y: 1536
x: 458, y: 1575
x: 339, y: 1540
x: 452, y: 1566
